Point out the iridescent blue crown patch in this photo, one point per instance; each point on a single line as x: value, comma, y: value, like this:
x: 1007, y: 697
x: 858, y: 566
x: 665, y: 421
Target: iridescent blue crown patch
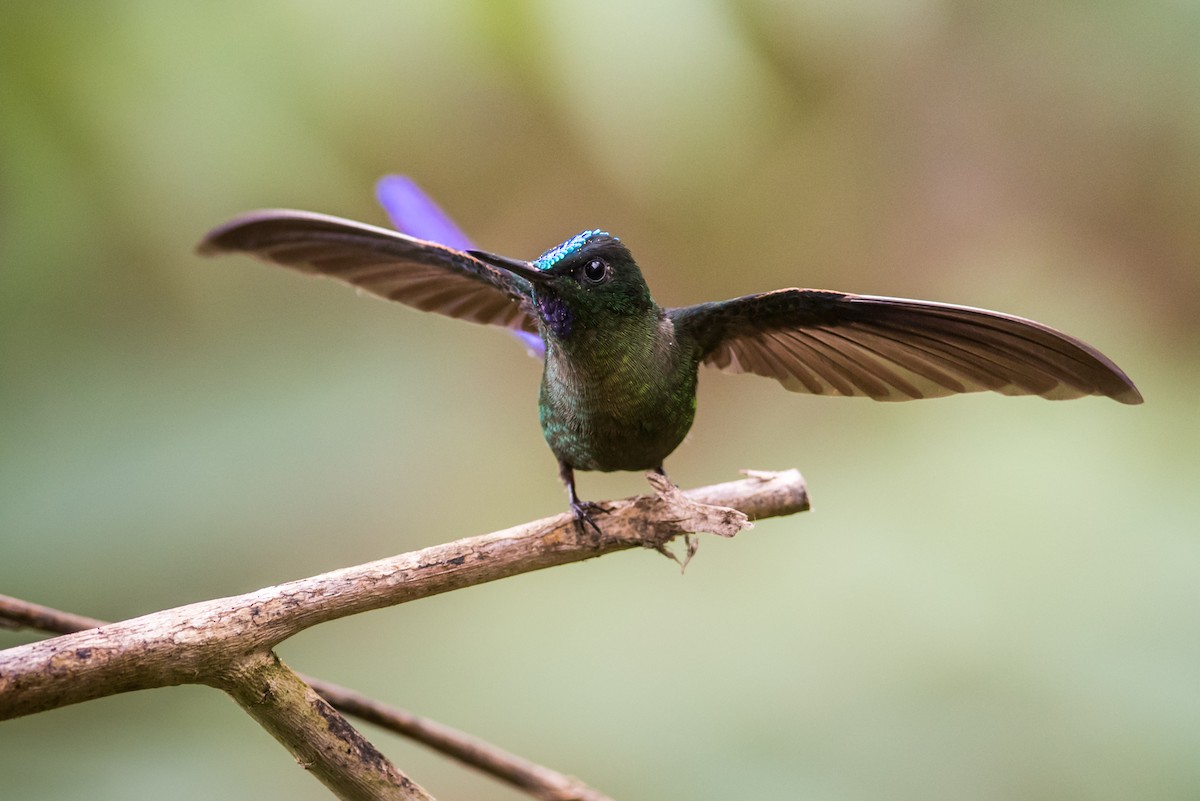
x: 556, y: 254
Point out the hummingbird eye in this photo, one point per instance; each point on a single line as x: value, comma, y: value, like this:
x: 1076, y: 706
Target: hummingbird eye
x: 596, y: 271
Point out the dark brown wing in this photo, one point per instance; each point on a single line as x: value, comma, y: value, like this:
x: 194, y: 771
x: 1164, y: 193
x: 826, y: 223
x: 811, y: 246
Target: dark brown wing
x: 830, y: 343
x: 425, y: 275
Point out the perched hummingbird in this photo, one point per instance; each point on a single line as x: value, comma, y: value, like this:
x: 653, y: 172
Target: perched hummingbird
x: 619, y: 384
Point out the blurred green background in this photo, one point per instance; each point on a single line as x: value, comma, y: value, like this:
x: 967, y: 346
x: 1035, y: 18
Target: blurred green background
x: 994, y: 598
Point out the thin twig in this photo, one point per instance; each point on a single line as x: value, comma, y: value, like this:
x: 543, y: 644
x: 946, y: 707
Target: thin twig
x: 539, y: 781
x: 18, y: 614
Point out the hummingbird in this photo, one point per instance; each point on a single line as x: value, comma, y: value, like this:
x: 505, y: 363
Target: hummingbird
x: 618, y: 389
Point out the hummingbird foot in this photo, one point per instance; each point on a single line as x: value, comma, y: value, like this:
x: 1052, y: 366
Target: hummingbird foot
x: 583, y: 509
x: 583, y: 515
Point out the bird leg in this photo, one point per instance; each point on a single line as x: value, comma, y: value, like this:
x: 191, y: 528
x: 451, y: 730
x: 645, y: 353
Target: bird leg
x: 581, y: 508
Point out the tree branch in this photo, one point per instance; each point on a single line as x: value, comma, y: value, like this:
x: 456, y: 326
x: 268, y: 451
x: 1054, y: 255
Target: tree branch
x: 314, y: 732
x: 191, y: 644
x: 227, y: 643
x: 537, y: 780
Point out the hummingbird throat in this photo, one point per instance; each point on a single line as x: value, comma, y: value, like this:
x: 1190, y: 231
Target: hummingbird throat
x: 556, y: 314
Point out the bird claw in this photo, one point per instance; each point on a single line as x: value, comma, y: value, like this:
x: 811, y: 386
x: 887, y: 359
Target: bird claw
x: 583, y: 516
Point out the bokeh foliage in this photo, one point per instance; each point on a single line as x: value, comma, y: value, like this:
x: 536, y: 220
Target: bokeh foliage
x: 995, y: 598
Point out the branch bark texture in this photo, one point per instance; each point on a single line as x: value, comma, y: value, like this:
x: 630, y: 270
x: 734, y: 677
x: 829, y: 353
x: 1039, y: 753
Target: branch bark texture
x: 314, y: 732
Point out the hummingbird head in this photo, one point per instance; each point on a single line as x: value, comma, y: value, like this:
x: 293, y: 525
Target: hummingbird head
x: 589, y: 282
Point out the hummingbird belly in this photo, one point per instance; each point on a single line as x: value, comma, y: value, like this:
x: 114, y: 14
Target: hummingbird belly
x: 618, y: 425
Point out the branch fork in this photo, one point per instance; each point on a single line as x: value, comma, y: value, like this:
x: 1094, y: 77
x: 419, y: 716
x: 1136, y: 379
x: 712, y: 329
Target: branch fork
x: 228, y: 642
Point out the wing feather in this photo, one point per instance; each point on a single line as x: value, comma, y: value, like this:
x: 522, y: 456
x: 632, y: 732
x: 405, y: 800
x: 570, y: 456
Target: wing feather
x: 421, y: 274
x: 831, y: 343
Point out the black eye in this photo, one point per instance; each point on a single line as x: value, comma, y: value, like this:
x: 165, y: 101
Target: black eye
x: 596, y: 271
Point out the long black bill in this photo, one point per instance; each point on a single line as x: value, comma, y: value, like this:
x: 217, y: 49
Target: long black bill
x: 514, y: 266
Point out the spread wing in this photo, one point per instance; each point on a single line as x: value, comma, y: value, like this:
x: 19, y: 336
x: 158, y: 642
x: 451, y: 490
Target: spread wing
x: 830, y: 343
x: 421, y: 274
